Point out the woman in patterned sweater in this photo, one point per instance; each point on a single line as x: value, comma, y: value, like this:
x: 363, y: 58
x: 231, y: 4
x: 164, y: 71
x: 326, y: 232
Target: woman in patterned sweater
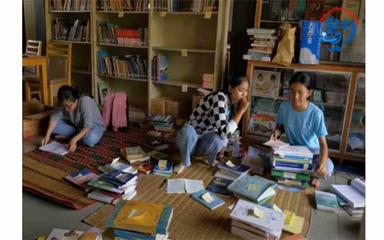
x: 213, y: 121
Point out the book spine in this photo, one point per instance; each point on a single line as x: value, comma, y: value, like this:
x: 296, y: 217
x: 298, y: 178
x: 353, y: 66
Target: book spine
x: 291, y: 175
x: 293, y: 165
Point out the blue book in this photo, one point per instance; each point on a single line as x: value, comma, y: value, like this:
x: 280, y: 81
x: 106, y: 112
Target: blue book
x: 165, y: 219
x: 216, y: 201
x: 301, y: 166
x: 167, y: 169
x: 237, y: 169
x: 254, y: 188
x: 118, y: 178
x: 219, y: 185
x: 162, y: 67
x: 132, y: 235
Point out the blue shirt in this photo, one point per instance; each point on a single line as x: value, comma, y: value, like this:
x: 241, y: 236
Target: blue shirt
x: 302, y: 128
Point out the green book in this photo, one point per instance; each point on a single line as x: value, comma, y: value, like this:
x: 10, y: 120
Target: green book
x: 326, y: 201
x: 290, y: 175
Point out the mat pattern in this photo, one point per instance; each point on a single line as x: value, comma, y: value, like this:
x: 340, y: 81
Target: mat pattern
x: 43, y: 172
x: 191, y: 220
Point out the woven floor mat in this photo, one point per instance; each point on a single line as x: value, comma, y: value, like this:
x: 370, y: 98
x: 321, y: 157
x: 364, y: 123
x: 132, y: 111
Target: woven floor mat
x: 191, y: 220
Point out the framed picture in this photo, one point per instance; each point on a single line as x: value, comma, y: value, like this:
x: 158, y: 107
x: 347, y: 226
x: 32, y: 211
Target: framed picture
x: 266, y: 83
x: 103, y: 90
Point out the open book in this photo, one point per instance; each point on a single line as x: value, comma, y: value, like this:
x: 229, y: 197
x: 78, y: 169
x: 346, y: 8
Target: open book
x: 275, y: 144
x: 354, y: 194
x: 55, y: 147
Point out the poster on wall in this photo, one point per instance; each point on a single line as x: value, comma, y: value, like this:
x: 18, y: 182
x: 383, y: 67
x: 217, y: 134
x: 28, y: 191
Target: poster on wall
x: 266, y: 83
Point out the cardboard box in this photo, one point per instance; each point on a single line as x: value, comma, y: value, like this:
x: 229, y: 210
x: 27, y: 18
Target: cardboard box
x: 165, y: 106
x: 310, y: 42
x: 35, y: 118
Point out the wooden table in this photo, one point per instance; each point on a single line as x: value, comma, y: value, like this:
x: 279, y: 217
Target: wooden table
x: 41, y: 63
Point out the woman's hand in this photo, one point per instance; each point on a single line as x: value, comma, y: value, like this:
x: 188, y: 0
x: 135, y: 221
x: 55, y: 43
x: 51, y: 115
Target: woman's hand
x: 276, y: 135
x: 72, y: 145
x: 45, y: 140
x: 321, y: 169
x: 243, y: 105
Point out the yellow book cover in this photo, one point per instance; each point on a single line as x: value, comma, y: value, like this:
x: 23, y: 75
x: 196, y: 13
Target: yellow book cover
x: 293, y: 223
x: 136, y: 216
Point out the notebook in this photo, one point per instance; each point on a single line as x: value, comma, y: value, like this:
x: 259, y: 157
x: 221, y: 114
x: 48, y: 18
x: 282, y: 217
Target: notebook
x: 354, y: 194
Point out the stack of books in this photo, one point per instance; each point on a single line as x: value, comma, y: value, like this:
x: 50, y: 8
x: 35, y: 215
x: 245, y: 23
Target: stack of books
x: 113, y: 186
x: 163, y: 168
x: 253, y: 221
x: 351, y: 197
x: 292, y: 165
x: 80, y: 178
x: 134, y: 154
x: 139, y: 220
x: 264, y: 41
x: 231, y: 171
x: 253, y: 188
x: 118, y: 165
x: 162, y: 122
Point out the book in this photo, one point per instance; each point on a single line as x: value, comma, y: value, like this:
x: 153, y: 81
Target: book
x: 293, y: 223
x: 55, y: 148
x: 104, y: 196
x: 162, y: 67
x: 354, y: 194
x: 326, y: 201
x: 163, y: 167
x: 250, y: 229
x: 276, y: 144
x: 80, y: 178
x: 156, y: 145
x: 299, y: 166
x: 100, y: 184
x: 133, y: 152
x: 118, y: 178
x: 294, y: 151
x: 254, y: 188
x: 219, y: 185
x: 263, y: 218
x: 354, y: 212
x: 290, y: 175
x: 124, y: 234
x: 141, y: 217
x: 58, y: 233
x: 236, y: 169
x: 208, y: 199
x: 143, y: 167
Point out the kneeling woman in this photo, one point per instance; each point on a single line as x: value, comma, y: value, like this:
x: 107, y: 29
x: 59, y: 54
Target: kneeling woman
x: 77, y: 118
x: 212, y: 122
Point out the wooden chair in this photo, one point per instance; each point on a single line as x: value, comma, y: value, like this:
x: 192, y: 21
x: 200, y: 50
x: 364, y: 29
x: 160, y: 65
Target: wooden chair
x: 30, y: 74
x: 59, y: 67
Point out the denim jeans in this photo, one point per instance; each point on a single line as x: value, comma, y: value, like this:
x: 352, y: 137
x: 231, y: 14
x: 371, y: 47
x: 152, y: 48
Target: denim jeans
x: 330, y: 167
x: 189, y: 144
x: 90, y: 139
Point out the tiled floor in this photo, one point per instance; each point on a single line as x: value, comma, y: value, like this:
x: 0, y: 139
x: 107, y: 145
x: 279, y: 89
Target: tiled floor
x: 41, y: 216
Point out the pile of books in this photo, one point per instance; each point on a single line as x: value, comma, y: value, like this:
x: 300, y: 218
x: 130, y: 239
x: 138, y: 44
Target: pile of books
x: 162, y: 122
x: 253, y: 221
x: 264, y: 41
x: 138, y: 158
x: 123, y: 5
x: 111, y: 187
x: 351, y: 197
x: 163, y: 168
x: 253, y: 188
x: 140, y: 220
x: 292, y: 165
x: 110, y: 33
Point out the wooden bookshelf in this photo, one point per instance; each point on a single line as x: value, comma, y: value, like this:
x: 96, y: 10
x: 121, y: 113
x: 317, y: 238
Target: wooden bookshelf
x: 82, y: 74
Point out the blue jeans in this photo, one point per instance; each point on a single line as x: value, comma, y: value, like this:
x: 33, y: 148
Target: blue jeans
x: 189, y: 144
x: 330, y: 167
x: 90, y: 139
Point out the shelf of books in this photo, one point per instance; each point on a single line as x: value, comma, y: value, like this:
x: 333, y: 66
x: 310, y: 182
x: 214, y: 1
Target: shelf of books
x: 121, y: 50
x: 70, y: 22
x: 333, y: 93
x: 187, y: 46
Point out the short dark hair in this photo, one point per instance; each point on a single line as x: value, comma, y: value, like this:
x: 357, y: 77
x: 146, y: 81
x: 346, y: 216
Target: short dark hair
x: 67, y: 93
x: 303, y: 78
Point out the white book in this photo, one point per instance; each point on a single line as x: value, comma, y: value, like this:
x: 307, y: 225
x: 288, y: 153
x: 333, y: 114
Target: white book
x: 271, y: 222
x: 192, y: 186
x: 354, y: 194
x: 276, y: 144
x: 182, y: 185
x: 55, y: 147
x: 294, y: 151
x: 64, y: 234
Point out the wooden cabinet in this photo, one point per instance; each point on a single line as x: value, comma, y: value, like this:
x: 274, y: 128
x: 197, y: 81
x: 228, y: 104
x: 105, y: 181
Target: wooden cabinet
x: 339, y: 92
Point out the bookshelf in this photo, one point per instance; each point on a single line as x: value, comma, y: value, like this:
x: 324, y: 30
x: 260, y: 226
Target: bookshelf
x: 125, y: 36
x: 129, y: 59
x: 193, y: 41
x: 70, y: 22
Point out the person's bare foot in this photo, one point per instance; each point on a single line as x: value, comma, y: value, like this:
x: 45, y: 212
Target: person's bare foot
x: 179, y: 168
x: 315, y: 182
